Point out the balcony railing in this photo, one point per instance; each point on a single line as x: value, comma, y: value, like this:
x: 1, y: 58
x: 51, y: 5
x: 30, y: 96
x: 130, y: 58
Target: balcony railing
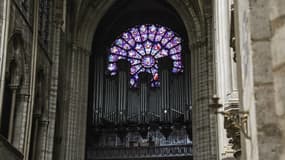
x: 139, y: 152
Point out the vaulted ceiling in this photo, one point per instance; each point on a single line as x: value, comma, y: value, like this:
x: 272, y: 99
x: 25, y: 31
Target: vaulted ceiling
x: 85, y: 15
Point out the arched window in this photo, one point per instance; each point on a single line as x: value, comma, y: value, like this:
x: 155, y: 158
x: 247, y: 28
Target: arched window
x: 142, y: 46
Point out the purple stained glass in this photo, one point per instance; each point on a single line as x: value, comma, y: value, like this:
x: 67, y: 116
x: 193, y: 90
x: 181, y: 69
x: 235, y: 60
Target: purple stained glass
x: 151, y: 32
x: 134, y: 61
x: 112, y: 58
x: 143, y: 46
x: 143, y: 31
x: 128, y: 38
x: 112, y: 66
x: 140, y: 49
x: 147, y: 47
x: 148, y: 61
x: 176, y: 57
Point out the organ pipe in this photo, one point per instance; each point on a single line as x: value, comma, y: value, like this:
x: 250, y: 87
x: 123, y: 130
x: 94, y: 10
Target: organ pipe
x: 164, y: 66
x: 144, y: 77
x: 98, y: 92
x: 122, y: 90
x: 143, y: 102
x: 187, y: 81
x: 110, y: 98
x: 165, y: 94
x: 116, y: 102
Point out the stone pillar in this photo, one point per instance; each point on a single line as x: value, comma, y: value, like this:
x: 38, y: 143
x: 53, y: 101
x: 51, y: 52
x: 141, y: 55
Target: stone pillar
x: 43, y: 141
x: 4, y: 31
x: 14, y: 89
x: 74, y: 148
x: 47, y: 123
x: 47, y: 151
x: 223, y: 65
x: 85, y: 54
x: 34, y: 58
x: 20, y: 120
x: 204, y: 123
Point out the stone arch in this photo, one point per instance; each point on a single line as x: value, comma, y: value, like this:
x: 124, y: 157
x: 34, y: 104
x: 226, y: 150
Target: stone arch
x: 198, y: 23
x: 14, y: 82
x: 17, y: 55
x: 86, y: 25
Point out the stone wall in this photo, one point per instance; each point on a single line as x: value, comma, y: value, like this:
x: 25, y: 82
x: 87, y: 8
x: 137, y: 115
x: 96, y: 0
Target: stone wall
x: 23, y: 24
x: 277, y: 23
x: 267, y: 128
x: 261, y: 37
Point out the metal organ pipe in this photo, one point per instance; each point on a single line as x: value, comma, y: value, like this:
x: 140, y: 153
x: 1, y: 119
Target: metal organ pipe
x: 165, y: 94
x: 110, y: 99
x: 143, y: 101
x: 98, y: 91
x: 122, y: 90
x: 144, y: 77
x: 114, y: 100
x: 187, y: 81
x: 164, y: 65
x: 106, y: 108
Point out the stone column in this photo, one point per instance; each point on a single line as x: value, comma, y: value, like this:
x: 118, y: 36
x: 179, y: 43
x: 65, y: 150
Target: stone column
x: 74, y: 148
x: 47, y: 151
x: 4, y: 31
x: 14, y: 89
x: 42, y: 141
x: 20, y: 128
x: 34, y: 58
x: 204, y: 123
x: 223, y: 63
x: 83, y: 102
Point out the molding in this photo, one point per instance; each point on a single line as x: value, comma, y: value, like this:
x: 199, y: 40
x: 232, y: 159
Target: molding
x: 4, y: 49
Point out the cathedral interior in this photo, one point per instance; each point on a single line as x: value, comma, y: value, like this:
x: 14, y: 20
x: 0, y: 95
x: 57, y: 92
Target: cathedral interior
x: 139, y: 101
x: 142, y: 80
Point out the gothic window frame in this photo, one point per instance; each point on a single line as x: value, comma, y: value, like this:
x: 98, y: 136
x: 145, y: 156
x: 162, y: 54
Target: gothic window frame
x: 142, y: 46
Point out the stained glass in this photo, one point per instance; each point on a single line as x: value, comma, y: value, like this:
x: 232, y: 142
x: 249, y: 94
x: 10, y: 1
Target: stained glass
x: 143, y: 46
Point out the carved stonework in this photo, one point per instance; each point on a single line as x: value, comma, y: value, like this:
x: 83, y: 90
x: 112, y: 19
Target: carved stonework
x: 233, y: 131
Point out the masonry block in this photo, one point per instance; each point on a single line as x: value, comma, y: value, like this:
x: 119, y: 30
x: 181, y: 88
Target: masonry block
x: 259, y: 19
x: 262, y: 62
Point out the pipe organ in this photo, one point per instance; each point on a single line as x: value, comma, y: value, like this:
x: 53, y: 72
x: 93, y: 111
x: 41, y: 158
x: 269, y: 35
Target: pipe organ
x: 142, y: 96
x: 117, y: 103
